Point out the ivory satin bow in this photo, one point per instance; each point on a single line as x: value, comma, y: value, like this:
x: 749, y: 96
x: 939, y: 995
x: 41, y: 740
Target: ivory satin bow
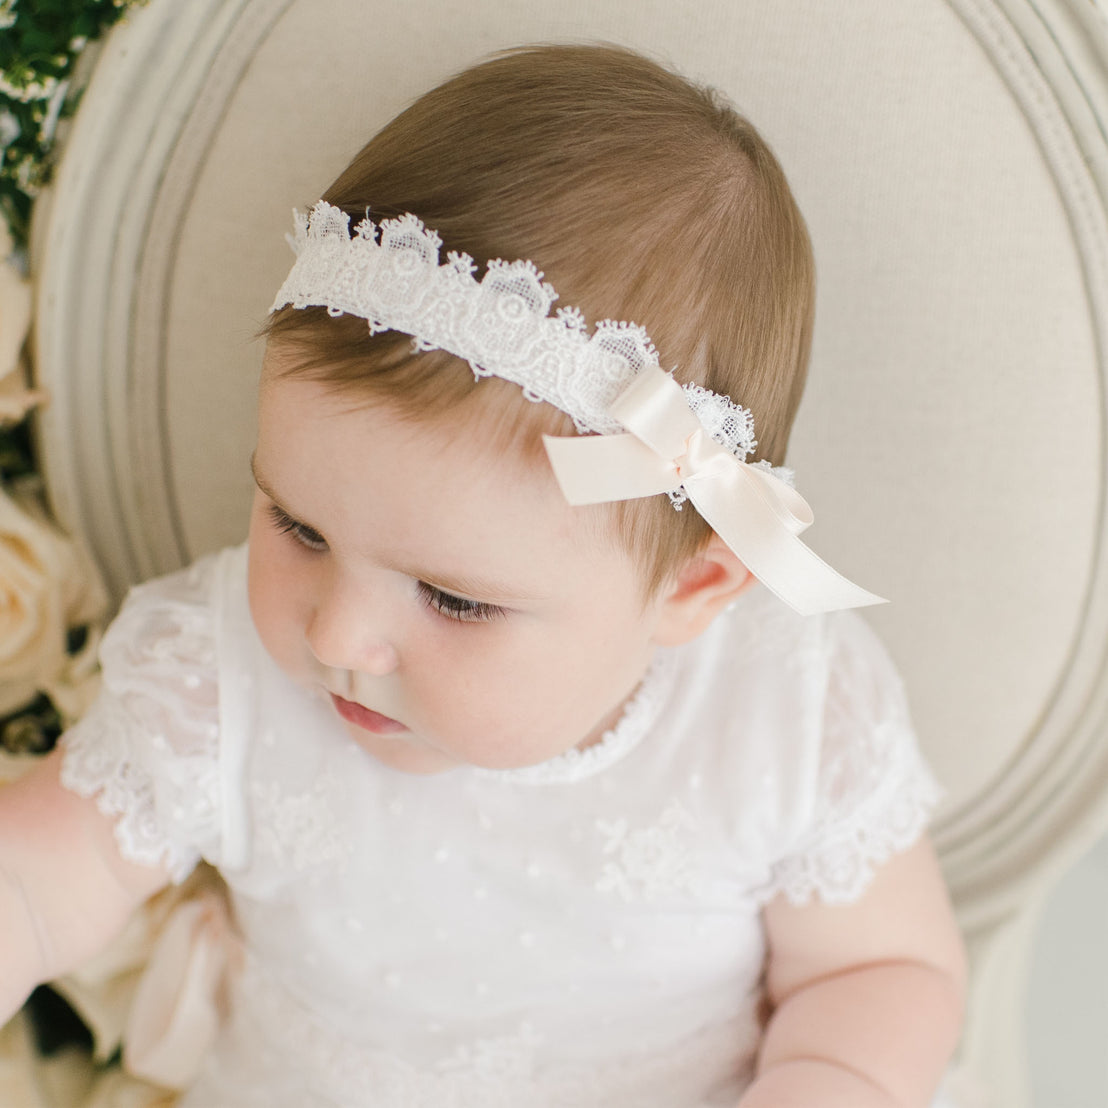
x: 177, y: 1007
x: 755, y: 513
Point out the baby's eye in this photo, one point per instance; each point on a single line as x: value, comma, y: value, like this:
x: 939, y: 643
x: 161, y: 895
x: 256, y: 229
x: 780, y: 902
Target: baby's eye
x: 457, y: 607
x: 303, y: 534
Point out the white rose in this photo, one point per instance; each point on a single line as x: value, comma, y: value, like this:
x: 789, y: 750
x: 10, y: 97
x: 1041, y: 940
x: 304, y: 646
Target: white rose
x: 46, y: 587
x: 15, y: 317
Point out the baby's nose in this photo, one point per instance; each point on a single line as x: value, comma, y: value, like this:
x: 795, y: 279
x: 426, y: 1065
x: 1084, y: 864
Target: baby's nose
x: 380, y: 659
x: 343, y: 635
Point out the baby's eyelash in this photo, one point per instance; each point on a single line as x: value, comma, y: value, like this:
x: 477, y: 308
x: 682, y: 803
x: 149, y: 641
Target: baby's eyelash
x: 303, y: 534
x: 457, y: 607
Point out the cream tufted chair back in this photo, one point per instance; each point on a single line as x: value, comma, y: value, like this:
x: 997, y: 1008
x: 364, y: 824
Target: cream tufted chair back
x: 950, y: 156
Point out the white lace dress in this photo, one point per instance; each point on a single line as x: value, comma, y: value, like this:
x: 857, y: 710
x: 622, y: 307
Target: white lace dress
x: 582, y: 933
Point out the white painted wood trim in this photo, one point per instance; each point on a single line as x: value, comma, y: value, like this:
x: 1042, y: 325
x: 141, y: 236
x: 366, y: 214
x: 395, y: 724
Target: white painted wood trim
x: 1053, y: 799
x: 1003, y: 853
x: 155, y: 99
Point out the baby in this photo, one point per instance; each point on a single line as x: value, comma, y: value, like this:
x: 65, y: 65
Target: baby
x: 531, y: 742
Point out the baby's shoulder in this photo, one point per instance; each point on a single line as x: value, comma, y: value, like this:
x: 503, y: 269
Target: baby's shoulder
x: 764, y: 644
x: 162, y: 657
x: 766, y: 691
x: 802, y: 738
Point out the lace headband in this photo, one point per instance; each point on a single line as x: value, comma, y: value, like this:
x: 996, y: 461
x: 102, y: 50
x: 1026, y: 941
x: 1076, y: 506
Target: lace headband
x: 651, y: 435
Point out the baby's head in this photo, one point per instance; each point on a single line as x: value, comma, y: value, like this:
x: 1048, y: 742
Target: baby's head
x: 641, y: 197
x: 416, y: 554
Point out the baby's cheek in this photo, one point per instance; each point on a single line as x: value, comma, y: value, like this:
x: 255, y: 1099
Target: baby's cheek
x: 274, y: 605
x: 476, y: 694
x: 268, y: 628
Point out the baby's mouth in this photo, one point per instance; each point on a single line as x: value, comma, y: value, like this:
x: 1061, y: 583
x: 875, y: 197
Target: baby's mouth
x: 366, y: 718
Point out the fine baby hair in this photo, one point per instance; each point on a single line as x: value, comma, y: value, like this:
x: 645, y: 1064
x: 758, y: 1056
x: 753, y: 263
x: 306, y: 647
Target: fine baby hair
x: 640, y: 197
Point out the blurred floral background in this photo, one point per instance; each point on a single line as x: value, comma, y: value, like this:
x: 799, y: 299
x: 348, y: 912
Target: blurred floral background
x: 51, y: 598
x: 64, y: 1049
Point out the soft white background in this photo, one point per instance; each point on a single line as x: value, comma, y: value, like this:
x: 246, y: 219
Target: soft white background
x: 1068, y: 994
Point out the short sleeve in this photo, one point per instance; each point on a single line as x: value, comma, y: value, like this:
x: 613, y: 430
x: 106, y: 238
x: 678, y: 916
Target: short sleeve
x: 870, y: 793
x: 148, y: 749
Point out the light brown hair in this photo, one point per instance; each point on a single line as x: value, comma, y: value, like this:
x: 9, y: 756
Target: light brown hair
x: 640, y: 195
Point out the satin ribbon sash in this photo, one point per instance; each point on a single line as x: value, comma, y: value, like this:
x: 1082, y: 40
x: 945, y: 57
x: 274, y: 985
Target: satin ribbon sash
x: 177, y: 1009
x: 666, y: 448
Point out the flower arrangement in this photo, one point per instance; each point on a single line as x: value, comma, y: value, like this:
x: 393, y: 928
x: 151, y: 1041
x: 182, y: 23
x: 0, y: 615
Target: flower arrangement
x: 50, y: 595
x: 52, y: 600
x: 39, y: 48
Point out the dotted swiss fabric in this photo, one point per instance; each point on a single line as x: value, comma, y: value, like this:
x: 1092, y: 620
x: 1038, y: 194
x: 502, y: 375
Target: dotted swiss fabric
x: 585, y: 933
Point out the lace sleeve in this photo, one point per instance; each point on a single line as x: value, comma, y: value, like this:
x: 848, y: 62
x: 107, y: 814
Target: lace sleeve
x: 873, y: 792
x: 148, y: 749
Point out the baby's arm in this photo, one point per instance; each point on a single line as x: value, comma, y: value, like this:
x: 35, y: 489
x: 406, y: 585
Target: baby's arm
x: 867, y: 998
x: 65, y: 889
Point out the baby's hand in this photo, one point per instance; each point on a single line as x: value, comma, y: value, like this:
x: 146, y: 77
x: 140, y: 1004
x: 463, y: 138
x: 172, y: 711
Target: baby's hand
x: 65, y: 890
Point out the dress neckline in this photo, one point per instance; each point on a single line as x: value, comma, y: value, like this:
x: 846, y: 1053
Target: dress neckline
x: 640, y: 712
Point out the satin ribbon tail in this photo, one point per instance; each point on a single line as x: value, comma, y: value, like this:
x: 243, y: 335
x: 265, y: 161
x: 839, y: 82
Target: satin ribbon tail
x: 749, y: 522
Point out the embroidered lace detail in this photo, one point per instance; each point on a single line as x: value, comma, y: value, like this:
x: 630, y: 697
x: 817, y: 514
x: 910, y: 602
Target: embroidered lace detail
x: 299, y: 830
x: 650, y: 861
x: 500, y: 1071
x: 501, y: 325
x: 507, y: 1058
x: 148, y: 748
x: 875, y: 791
x: 840, y: 866
x: 638, y: 717
x: 729, y: 425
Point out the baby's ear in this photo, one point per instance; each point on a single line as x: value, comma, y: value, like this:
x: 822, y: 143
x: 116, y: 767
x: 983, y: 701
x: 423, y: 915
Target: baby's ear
x: 699, y: 591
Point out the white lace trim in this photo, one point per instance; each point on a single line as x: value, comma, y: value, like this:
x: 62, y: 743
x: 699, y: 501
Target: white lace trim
x: 638, y: 717
x: 390, y: 276
x: 97, y: 763
x: 148, y: 748
x: 728, y: 424
x: 883, y: 813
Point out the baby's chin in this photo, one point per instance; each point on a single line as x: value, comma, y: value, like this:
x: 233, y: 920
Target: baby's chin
x: 405, y: 752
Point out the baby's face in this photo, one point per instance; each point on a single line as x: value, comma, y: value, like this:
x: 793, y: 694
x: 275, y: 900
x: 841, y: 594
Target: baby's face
x: 448, y: 602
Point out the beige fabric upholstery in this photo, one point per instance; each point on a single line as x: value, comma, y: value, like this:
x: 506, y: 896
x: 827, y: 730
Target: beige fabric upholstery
x: 951, y: 160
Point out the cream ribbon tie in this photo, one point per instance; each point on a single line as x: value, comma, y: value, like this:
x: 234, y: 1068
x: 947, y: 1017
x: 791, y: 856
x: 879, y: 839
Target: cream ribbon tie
x: 666, y: 449
x: 178, y: 1004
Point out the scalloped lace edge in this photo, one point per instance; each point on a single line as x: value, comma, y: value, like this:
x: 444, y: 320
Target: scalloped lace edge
x: 639, y: 714
x: 840, y: 869
x: 124, y: 793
